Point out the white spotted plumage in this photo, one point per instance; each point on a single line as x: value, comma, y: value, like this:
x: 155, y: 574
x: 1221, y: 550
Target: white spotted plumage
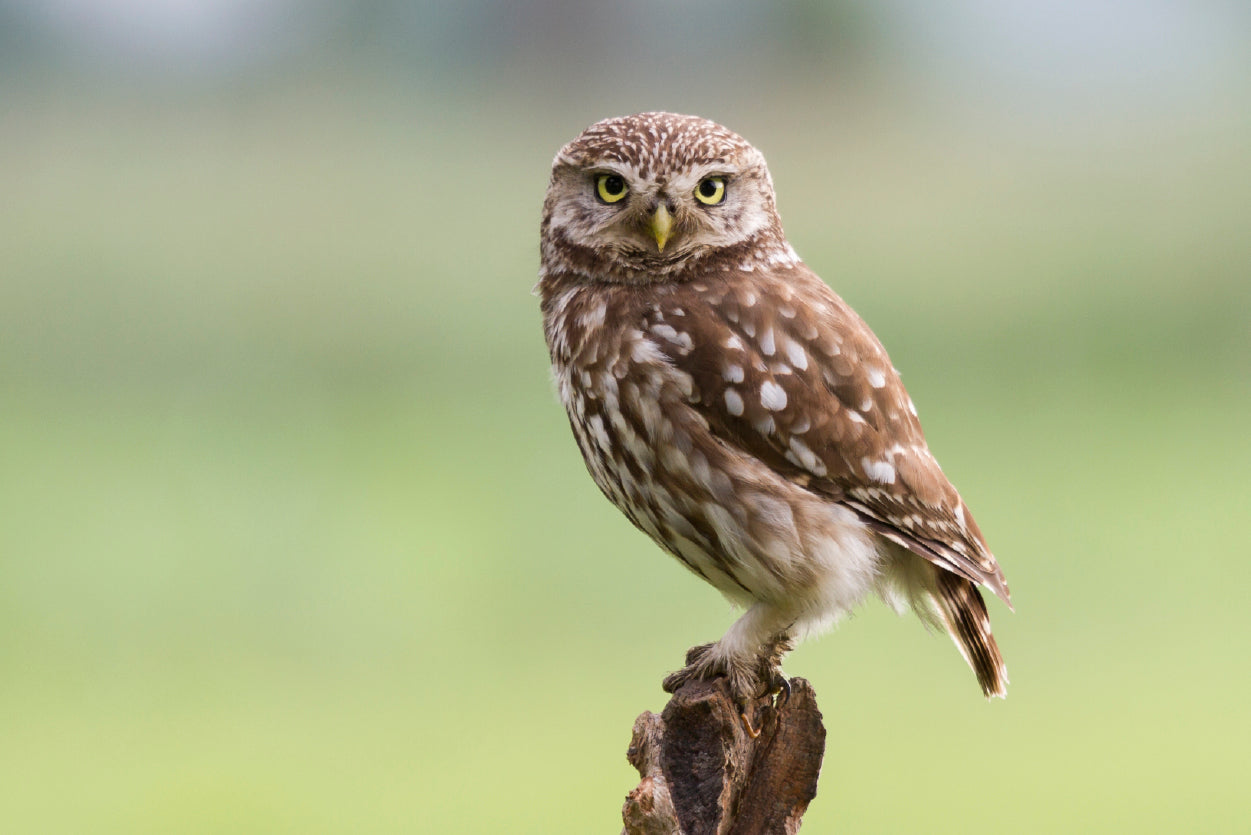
x: 736, y: 410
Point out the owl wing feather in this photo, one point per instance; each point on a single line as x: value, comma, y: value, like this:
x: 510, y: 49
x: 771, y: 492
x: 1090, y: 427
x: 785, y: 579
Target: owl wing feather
x: 786, y: 372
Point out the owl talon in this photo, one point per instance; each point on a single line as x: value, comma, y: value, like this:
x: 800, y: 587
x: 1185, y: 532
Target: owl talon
x: 779, y: 693
x: 754, y: 733
x: 699, y: 667
x: 781, y: 690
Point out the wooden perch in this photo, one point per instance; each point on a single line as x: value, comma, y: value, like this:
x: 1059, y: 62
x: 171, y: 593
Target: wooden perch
x: 704, y: 774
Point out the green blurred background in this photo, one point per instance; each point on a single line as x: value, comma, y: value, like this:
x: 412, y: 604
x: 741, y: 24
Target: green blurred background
x: 294, y: 536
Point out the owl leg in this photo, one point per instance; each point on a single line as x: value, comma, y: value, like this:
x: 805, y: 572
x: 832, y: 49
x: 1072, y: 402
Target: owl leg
x: 749, y: 656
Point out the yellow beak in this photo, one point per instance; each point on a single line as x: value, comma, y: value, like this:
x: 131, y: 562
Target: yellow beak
x: 661, y: 227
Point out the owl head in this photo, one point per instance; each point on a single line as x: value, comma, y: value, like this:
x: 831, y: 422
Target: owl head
x: 647, y: 197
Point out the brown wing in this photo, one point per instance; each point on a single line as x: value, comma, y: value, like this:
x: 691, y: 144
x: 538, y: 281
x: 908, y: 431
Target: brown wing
x: 787, y: 372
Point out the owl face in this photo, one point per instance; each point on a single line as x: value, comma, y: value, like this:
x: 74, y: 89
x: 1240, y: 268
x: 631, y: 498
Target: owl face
x: 640, y: 197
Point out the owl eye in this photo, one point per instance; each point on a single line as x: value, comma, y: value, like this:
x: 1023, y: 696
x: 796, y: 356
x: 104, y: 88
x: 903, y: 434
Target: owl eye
x: 610, y: 187
x: 710, y: 191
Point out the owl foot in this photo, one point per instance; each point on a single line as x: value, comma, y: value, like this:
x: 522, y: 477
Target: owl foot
x: 700, y: 666
x: 746, y: 684
x: 761, y: 677
x: 779, y: 690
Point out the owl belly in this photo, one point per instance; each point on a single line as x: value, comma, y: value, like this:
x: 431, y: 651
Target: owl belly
x: 725, y: 515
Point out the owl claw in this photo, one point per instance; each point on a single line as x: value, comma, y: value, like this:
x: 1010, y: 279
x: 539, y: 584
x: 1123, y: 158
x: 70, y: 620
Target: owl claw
x: 698, y: 667
x: 747, y: 683
x: 781, y: 689
x: 779, y: 692
x: 760, y: 679
x: 754, y: 733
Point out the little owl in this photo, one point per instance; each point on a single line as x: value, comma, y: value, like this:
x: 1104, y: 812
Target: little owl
x: 736, y: 409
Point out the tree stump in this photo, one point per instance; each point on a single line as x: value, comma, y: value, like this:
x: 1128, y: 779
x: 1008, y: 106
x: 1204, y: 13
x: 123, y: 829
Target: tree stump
x: 704, y: 774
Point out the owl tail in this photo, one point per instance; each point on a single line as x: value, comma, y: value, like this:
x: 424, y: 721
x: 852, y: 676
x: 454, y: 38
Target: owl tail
x: 963, y: 613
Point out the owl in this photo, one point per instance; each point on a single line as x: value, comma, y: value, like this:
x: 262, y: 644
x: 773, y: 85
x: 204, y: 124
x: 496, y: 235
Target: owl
x: 736, y: 410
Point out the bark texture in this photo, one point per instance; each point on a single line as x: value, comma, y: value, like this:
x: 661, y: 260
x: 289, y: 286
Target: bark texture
x: 704, y: 774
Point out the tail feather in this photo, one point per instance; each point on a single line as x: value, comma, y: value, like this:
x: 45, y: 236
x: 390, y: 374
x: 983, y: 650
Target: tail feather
x: 964, y: 614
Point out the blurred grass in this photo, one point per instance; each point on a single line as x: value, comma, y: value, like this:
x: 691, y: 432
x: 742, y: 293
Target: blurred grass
x: 293, y: 537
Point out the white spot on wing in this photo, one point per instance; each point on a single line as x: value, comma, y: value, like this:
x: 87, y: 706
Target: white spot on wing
x: 877, y: 379
x: 880, y: 471
x: 733, y: 373
x: 795, y: 353
x: 807, y: 458
x: 772, y: 396
x: 733, y: 402
x: 767, y: 346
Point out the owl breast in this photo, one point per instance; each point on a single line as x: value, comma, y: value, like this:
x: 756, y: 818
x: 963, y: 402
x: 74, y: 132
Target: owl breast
x: 726, y: 515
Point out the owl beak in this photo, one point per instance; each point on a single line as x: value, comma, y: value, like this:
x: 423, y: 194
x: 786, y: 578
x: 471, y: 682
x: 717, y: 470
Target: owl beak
x: 661, y: 226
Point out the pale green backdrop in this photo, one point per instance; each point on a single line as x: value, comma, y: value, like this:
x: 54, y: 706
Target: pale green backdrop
x: 294, y: 536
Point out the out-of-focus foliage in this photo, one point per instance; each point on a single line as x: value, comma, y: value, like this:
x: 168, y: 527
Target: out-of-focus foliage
x: 294, y: 538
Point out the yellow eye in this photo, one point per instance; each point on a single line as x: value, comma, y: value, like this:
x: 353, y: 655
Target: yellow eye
x: 710, y: 191
x: 610, y: 187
